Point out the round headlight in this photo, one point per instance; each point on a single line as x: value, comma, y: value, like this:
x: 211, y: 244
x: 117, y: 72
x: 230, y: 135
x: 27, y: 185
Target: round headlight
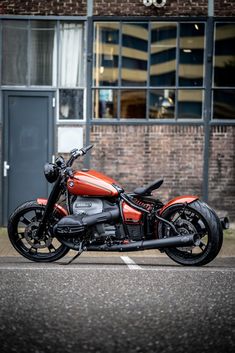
x: 51, y: 172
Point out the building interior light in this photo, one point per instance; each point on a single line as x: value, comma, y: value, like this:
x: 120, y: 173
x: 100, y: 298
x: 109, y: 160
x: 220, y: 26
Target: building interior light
x: 101, y: 70
x: 187, y: 50
x: 196, y: 26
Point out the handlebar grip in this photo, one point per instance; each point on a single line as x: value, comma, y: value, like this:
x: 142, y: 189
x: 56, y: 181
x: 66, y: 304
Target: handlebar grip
x: 86, y: 149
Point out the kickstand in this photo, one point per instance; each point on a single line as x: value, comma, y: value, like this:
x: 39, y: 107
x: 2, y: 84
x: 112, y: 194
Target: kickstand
x: 81, y: 249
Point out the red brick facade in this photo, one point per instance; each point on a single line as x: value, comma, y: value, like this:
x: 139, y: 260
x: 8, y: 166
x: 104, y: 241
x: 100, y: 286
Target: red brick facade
x: 115, y: 8
x: 137, y: 8
x: 136, y: 155
x: 44, y: 7
x: 222, y: 169
x: 224, y: 8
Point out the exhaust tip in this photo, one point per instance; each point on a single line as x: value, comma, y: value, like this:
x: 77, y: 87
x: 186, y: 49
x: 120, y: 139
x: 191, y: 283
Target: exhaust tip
x: 225, y: 222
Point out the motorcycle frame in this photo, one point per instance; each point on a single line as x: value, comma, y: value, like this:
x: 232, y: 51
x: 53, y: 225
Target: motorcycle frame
x: 60, y: 187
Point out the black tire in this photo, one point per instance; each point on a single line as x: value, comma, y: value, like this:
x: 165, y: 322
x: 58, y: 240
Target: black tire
x: 197, y: 217
x: 22, y: 226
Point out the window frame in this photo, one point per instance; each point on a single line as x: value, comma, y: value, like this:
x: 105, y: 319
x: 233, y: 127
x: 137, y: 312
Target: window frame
x: 56, y: 86
x: 148, y: 88
x: 214, y: 88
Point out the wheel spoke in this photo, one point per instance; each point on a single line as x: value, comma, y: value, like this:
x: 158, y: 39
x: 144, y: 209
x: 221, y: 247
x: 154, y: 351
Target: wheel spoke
x: 38, y: 214
x: 202, y: 245
x: 20, y: 236
x: 51, y: 248
x: 32, y: 250
x: 25, y: 220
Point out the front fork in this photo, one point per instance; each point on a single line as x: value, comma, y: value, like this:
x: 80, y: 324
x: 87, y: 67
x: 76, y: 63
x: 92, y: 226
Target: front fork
x: 53, y: 197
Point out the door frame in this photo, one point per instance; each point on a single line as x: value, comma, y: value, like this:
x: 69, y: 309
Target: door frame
x: 5, y: 136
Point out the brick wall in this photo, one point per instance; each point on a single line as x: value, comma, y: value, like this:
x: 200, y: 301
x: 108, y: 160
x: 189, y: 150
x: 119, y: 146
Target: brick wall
x: 137, y: 155
x: 222, y: 169
x: 224, y: 7
x: 43, y: 7
x: 137, y: 8
x: 115, y: 7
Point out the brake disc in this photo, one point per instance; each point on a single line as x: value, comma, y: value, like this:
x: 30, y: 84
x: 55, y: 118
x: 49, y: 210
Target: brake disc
x: 36, y: 242
x: 185, y: 227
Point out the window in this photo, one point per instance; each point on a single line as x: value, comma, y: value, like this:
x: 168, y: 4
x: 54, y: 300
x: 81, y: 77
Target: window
x: 163, y: 54
x: 106, y: 50
x: 148, y: 70
x: 30, y: 57
x: 29, y: 53
x: 224, y: 72
x: 71, y: 72
x: 14, y: 53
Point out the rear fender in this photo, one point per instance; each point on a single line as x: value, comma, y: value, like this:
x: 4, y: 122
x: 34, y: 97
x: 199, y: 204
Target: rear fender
x: 187, y: 199
x: 60, y: 209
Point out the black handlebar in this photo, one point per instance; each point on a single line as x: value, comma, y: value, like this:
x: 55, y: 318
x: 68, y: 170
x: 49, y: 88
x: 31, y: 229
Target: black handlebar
x: 77, y: 153
x: 86, y: 149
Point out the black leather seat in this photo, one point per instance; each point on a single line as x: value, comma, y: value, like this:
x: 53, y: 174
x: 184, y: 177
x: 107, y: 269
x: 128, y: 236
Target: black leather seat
x: 146, y: 190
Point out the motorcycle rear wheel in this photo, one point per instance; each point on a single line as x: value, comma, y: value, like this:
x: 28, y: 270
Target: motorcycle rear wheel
x: 198, y: 218
x: 22, y: 228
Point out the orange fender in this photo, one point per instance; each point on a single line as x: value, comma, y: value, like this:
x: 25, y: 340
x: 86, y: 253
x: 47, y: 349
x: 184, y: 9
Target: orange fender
x: 186, y: 199
x: 60, y: 209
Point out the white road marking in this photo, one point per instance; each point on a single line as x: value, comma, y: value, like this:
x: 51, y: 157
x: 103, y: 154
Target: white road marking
x: 130, y: 263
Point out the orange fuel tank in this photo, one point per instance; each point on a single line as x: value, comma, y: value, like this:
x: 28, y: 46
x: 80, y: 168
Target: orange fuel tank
x: 91, y: 183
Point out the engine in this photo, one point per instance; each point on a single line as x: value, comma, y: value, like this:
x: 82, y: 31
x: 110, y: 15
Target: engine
x: 97, y: 221
x: 92, y: 220
x: 87, y: 206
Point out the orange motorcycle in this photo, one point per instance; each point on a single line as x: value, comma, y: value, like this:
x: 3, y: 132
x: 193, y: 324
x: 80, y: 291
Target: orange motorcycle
x: 87, y: 210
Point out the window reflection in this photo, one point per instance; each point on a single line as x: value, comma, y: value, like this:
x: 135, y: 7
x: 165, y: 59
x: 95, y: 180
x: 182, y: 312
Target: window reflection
x: 133, y: 104
x: 43, y: 54
x: 224, y: 104
x: 163, y: 54
x: 162, y: 104
x: 143, y: 60
x: 134, y: 54
x: 191, y: 61
x: 14, y: 58
x: 224, y: 58
x: 190, y: 104
x: 71, y: 104
x: 105, y: 103
x: 106, y: 49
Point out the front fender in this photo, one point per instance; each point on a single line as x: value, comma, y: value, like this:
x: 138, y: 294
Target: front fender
x: 186, y: 199
x: 60, y: 209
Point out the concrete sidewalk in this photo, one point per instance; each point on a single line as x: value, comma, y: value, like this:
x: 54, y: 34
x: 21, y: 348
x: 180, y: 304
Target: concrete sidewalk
x: 228, y: 248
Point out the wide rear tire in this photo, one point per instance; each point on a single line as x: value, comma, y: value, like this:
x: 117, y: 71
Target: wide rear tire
x: 198, y: 218
x: 22, y: 227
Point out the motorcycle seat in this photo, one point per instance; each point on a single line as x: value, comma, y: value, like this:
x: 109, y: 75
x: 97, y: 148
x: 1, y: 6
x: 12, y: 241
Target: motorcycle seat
x: 146, y: 190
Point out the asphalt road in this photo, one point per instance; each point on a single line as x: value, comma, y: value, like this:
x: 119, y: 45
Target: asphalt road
x: 141, y: 304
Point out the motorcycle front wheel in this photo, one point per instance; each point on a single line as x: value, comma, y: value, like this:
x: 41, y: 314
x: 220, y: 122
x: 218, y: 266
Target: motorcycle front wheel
x: 22, y: 232
x: 196, y: 218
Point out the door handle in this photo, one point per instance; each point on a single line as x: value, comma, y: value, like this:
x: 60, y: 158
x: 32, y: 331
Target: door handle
x: 6, y: 167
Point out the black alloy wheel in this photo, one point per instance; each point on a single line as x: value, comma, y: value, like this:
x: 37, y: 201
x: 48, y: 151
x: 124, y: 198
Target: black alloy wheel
x: 22, y: 231
x: 196, y: 218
